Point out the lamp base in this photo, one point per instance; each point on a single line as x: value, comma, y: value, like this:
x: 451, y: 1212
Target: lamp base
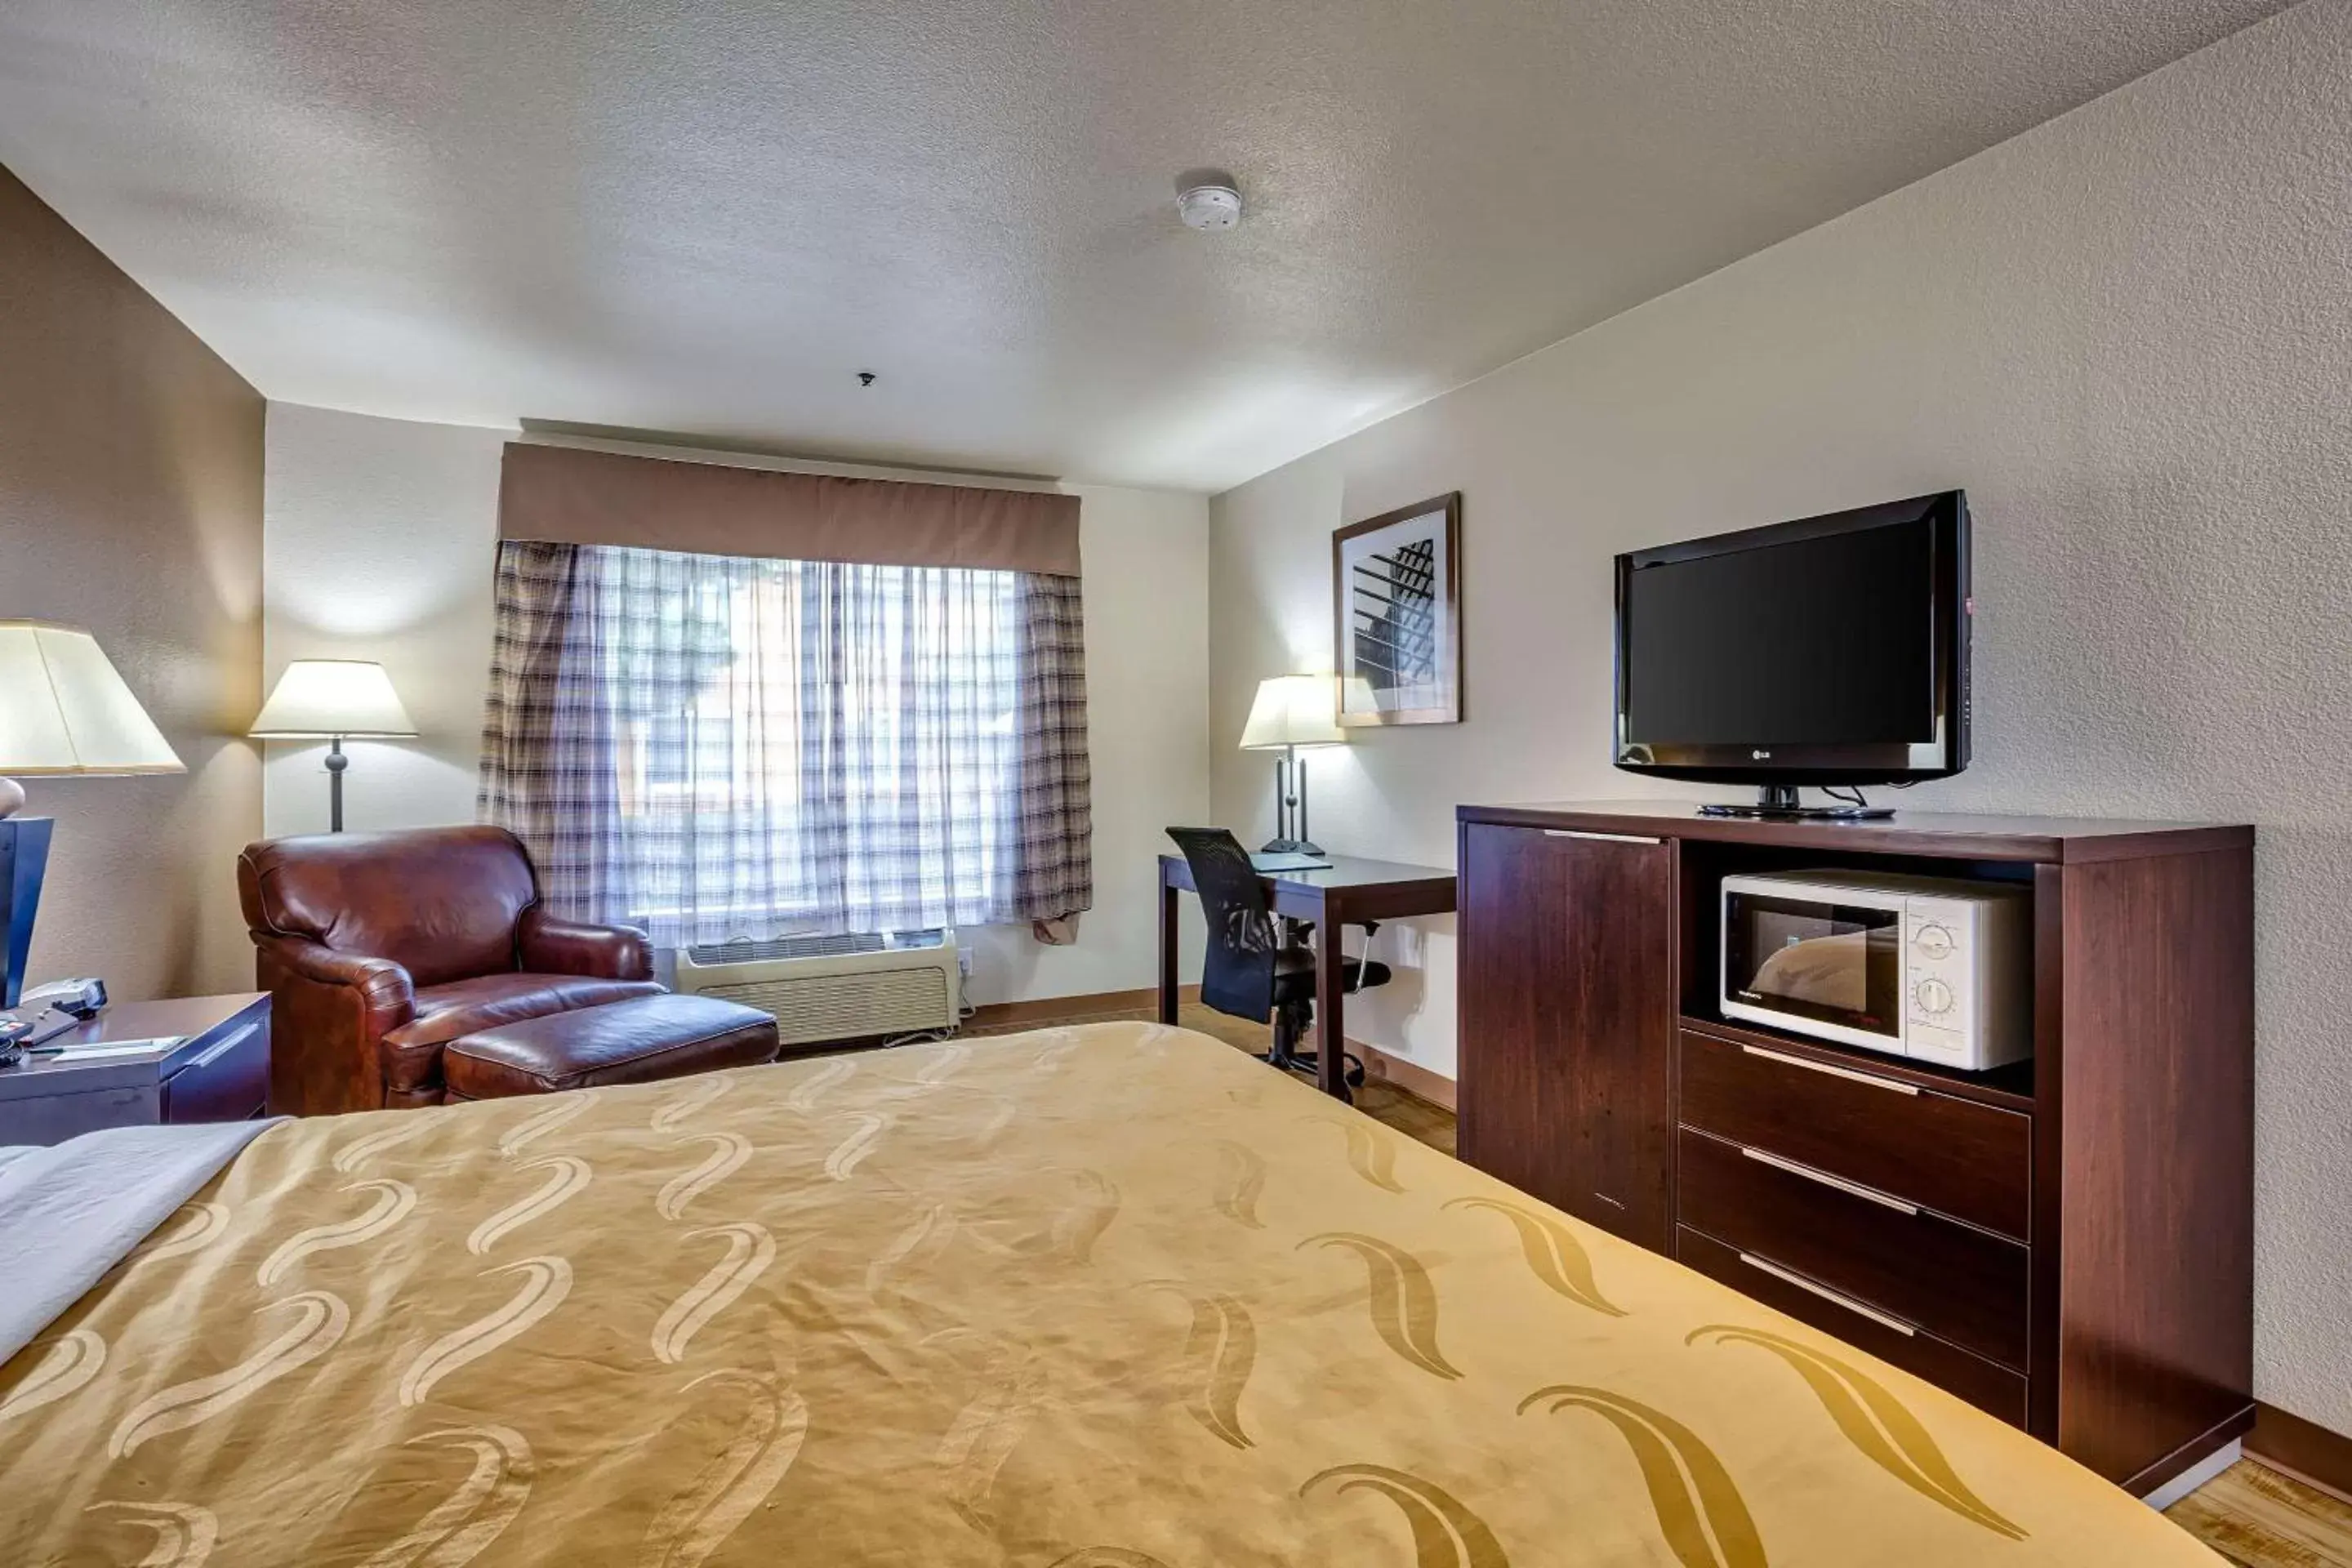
x: 336, y: 764
x: 1291, y: 847
x: 24, y: 860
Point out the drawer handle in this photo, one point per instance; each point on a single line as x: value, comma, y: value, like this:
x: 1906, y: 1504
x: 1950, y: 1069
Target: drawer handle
x: 216, y: 1052
x: 1600, y: 838
x: 1791, y: 1276
x: 1812, y: 1065
x: 1853, y: 1189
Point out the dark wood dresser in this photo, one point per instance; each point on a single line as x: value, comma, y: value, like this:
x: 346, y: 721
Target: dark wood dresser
x: 2066, y: 1242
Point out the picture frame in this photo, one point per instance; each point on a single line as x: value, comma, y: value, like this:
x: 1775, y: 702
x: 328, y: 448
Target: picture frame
x: 1396, y: 609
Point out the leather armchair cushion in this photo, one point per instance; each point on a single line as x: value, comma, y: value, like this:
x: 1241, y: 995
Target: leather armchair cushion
x: 443, y: 903
x: 464, y: 1007
x: 410, y: 1055
x: 637, y: 1041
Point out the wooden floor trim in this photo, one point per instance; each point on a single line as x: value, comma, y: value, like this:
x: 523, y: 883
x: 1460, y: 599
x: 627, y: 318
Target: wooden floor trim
x: 1406, y: 1074
x: 2303, y: 1449
x: 1055, y: 1009
x: 2155, y: 1478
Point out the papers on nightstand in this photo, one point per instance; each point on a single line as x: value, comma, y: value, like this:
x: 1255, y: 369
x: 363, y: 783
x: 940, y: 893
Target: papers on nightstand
x: 93, y: 1053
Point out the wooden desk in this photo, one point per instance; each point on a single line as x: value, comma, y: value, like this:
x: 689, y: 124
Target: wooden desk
x: 1346, y: 892
x: 209, y: 1061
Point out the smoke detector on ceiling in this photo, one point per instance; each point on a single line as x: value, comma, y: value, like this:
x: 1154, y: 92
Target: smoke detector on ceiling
x: 1208, y: 202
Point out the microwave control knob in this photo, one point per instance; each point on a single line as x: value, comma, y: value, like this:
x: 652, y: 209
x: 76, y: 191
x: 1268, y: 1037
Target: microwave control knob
x: 1934, y: 942
x: 1934, y: 997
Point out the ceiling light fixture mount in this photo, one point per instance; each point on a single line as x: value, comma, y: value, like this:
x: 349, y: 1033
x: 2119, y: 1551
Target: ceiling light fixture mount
x: 1208, y: 200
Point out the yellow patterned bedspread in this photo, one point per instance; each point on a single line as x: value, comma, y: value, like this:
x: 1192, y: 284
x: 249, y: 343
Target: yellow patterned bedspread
x: 1105, y: 1296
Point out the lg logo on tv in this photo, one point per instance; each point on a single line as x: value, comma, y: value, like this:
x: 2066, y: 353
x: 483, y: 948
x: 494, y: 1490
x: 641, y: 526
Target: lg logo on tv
x: 1761, y: 755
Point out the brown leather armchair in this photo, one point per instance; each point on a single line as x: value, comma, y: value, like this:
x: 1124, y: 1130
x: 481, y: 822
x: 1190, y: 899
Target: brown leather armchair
x: 378, y: 949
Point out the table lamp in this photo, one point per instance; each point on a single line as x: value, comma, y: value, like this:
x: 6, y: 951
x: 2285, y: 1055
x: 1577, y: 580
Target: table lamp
x: 63, y: 712
x: 332, y: 700
x: 1291, y: 711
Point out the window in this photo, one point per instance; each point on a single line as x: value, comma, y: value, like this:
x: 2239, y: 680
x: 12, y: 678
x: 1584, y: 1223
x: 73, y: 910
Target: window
x: 721, y: 747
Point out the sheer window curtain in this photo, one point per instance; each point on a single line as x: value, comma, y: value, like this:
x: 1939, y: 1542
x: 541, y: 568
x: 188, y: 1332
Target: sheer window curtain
x: 717, y: 747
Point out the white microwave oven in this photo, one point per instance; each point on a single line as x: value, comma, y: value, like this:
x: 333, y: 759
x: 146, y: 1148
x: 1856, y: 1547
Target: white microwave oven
x: 1935, y: 969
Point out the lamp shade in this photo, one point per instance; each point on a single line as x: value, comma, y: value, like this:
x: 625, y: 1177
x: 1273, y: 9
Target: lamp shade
x: 64, y: 708
x: 320, y: 699
x: 1293, y: 710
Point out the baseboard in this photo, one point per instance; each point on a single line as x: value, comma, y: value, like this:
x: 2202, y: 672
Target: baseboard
x: 1049, y: 1009
x: 1406, y: 1074
x: 2303, y: 1449
x: 2195, y: 1476
x: 2191, y: 1457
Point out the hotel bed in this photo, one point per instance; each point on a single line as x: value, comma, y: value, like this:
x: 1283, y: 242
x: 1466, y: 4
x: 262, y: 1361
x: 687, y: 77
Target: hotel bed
x: 1114, y: 1295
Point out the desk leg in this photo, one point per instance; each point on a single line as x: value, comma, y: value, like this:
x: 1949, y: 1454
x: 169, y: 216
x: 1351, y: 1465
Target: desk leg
x: 1168, y: 897
x: 1330, y: 1019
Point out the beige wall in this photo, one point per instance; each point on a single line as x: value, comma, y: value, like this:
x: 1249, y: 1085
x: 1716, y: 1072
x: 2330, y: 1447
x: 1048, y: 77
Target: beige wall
x: 2128, y: 333
x: 131, y: 504
x: 381, y: 538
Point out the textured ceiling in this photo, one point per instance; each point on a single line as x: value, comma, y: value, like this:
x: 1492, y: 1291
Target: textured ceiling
x: 704, y: 216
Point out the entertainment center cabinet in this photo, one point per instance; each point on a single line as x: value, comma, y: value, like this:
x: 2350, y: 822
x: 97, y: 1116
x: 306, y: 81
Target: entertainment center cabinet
x: 2066, y: 1242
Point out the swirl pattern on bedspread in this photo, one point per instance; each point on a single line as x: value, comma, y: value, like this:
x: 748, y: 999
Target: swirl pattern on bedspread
x: 1107, y: 1295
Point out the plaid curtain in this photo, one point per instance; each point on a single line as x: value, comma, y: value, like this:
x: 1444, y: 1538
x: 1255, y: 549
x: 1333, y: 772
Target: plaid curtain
x: 715, y: 747
x: 547, y: 733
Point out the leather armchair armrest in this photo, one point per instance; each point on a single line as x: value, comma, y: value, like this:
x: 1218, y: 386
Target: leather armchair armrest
x: 331, y: 1011
x: 384, y: 987
x: 548, y: 945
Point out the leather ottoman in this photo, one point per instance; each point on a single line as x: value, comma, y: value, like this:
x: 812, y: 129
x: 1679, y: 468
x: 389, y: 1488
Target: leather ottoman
x: 634, y: 1041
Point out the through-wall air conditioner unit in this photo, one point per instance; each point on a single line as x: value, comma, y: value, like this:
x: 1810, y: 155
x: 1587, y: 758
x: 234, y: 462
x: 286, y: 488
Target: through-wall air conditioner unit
x: 835, y: 987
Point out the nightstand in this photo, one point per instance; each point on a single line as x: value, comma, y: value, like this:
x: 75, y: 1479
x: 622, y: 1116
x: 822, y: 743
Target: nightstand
x: 198, y: 1058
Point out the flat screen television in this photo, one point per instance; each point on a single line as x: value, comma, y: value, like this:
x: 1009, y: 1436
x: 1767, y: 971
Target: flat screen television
x: 1831, y: 650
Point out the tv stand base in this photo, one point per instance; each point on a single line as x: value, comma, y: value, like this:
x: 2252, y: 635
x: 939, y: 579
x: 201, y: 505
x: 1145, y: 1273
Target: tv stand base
x: 1779, y: 803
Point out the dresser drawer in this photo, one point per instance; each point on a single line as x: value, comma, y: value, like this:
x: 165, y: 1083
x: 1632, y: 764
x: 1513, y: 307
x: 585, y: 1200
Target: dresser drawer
x: 227, y: 1080
x: 1993, y: 1389
x: 1956, y: 1156
x: 1958, y: 1283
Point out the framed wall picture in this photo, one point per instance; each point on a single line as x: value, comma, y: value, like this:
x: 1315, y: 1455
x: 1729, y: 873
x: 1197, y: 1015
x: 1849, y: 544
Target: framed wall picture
x: 1397, y: 604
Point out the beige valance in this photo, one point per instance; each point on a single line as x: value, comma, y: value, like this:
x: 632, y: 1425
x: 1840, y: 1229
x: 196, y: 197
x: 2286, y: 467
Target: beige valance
x: 568, y: 495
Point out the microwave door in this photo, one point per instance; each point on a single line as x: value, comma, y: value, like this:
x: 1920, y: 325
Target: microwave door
x: 1816, y: 967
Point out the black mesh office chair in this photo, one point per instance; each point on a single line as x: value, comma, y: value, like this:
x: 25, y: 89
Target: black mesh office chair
x: 1259, y: 966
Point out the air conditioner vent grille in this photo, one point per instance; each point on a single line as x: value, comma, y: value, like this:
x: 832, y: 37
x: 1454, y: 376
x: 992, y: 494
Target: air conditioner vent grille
x: 846, y: 1006
x: 813, y: 946
x: 857, y: 988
